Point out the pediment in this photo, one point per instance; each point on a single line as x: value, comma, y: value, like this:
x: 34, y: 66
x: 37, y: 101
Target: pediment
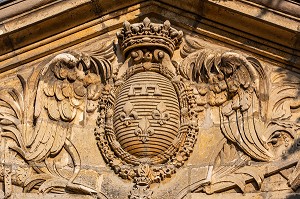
x: 270, y: 35
x: 149, y: 99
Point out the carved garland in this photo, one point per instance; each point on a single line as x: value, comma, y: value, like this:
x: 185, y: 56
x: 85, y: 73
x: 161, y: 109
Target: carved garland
x: 72, y: 83
x: 161, y: 166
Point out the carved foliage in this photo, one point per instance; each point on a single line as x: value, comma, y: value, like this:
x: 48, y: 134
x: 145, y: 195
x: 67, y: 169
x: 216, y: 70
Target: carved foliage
x: 149, y: 113
x: 162, y: 131
x: 238, y: 87
x: 67, y: 86
x: 235, y: 84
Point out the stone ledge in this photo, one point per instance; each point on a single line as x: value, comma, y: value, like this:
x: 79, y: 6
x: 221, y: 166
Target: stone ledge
x: 47, y: 196
x: 59, y: 41
x: 264, y: 195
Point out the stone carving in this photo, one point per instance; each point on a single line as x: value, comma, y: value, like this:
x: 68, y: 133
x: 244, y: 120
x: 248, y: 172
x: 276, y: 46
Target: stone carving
x: 228, y: 81
x: 149, y: 115
x: 128, y: 114
x: 161, y: 114
x: 147, y: 151
x: 238, y: 87
x: 68, y: 87
x: 235, y: 84
x: 144, y: 129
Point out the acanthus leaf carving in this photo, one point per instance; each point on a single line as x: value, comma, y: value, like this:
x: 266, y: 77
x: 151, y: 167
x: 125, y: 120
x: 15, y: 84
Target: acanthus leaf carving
x: 238, y: 87
x: 148, y: 114
x: 66, y: 87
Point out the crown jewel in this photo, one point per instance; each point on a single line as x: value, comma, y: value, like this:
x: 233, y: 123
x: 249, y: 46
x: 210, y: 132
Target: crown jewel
x: 149, y: 34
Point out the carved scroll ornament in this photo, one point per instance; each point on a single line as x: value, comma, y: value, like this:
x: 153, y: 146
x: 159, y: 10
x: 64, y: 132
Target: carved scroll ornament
x: 148, y: 114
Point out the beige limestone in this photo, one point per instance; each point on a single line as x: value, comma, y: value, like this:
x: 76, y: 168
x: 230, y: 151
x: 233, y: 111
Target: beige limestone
x: 189, y: 99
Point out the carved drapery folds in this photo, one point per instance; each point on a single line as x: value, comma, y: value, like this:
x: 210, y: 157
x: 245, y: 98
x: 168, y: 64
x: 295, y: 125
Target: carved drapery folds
x: 149, y: 111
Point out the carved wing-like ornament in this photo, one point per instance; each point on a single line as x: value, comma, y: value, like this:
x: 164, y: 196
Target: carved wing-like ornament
x: 237, y: 85
x: 67, y: 89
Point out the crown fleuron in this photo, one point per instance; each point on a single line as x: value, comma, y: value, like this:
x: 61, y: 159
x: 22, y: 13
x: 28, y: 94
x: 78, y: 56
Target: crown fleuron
x: 149, y: 34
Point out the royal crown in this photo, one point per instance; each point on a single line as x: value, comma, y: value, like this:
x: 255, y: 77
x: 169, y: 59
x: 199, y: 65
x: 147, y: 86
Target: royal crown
x: 149, y: 34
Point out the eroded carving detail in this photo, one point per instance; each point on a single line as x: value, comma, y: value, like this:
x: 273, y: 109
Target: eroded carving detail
x: 128, y: 114
x: 144, y: 129
x: 149, y: 116
x: 161, y: 114
x: 68, y: 87
x: 238, y: 87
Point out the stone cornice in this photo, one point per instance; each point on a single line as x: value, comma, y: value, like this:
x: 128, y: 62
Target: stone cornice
x: 149, y: 99
x: 57, y: 25
x: 288, y: 6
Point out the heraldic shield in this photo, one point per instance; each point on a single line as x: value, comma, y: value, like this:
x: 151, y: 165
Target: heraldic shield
x: 147, y: 125
x: 146, y: 115
x: 150, y: 111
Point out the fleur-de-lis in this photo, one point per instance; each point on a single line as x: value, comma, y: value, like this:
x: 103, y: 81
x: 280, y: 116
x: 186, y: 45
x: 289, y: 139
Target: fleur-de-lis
x: 146, y: 22
x: 144, y: 130
x: 161, y: 113
x: 128, y: 114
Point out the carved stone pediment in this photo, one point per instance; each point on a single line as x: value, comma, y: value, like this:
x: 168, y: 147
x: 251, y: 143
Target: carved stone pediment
x: 153, y: 111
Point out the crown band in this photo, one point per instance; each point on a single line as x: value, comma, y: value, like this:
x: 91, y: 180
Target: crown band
x: 149, y: 34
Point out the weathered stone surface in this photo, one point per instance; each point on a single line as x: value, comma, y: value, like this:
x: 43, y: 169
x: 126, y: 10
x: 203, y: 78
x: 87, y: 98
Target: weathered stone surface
x: 149, y: 99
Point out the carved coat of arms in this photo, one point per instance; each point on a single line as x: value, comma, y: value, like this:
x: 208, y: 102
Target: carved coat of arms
x: 148, y: 115
x: 147, y: 126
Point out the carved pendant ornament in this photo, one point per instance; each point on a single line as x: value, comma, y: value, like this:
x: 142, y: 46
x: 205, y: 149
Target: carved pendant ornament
x: 149, y: 120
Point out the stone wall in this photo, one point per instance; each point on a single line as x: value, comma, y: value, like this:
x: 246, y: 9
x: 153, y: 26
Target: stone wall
x: 149, y: 99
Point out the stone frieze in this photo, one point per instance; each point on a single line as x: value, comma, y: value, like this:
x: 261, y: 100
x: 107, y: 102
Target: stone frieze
x: 152, y: 113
